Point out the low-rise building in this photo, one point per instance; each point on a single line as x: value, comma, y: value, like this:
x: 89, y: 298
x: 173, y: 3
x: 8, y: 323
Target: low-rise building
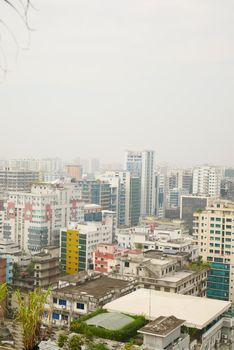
x: 104, y: 258
x: 42, y: 271
x: 209, y: 319
x: 46, y: 270
x: 83, y: 293
x: 165, y: 333
x: 79, y: 241
x: 169, y: 273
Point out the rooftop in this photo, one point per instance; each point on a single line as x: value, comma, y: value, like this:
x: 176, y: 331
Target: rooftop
x: 97, y: 288
x: 197, y: 312
x: 177, y: 276
x: 162, y: 326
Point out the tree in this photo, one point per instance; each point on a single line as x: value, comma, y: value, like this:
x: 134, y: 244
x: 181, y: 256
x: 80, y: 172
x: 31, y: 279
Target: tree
x: 62, y: 339
x: 8, y: 28
x: 74, y: 343
x: 16, y: 269
x: 29, y: 315
x: 3, y: 293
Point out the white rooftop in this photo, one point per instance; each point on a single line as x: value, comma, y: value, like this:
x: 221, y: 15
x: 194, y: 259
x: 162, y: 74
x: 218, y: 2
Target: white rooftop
x: 197, y: 312
x: 160, y: 261
x: 177, y: 276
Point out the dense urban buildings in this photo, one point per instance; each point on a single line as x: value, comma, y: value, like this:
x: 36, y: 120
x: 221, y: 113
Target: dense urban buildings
x: 96, y: 234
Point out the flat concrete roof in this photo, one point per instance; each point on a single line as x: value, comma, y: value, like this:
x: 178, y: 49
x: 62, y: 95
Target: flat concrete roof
x: 197, y: 312
x: 162, y: 326
x: 97, y: 288
x: 177, y: 276
x: 161, y: 262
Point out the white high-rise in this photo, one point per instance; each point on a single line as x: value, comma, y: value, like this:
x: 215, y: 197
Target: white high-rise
x: 143, y: 164
x: 207, y: 180
x: 33, y: 220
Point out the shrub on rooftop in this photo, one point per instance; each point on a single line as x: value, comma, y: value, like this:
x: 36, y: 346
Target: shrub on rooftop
x: 122, y: 335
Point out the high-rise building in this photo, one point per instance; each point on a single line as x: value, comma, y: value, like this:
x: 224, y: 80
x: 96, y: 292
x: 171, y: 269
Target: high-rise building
x: 227, y: 189
x: 17, y: 180
x: 188, y: 206
x: 143, y: 164
x: 213, y: 232
x: 135, y: 200
x: 74, y: 171
x: 33, y: 220
x: 125, y: 196
x: 160, y: 194
x: 96, y: 192
x: 207, y: 181
x: 79, y: 241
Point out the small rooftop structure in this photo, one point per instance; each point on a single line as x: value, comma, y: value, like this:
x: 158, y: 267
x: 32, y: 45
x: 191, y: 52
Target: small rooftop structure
x: 110, y: 320
x: 162, y: 326
x: 197, y: 312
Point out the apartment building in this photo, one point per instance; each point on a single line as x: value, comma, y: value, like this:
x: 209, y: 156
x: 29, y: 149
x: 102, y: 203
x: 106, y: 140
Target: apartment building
x: 33, y: 220
x: 166, y: 273
x: 17, y: 180
x: 125, y: 196
x: 142, y: 164
x: 81, y: 294
x: 79, y: 241
x: 74, y: 171
x: 213, y: 233
x: 95, y: 192
x: 104, y: 258
x: 207, y: 181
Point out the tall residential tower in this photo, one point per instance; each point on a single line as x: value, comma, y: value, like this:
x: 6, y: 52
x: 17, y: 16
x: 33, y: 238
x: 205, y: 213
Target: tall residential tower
x: 143, y: 164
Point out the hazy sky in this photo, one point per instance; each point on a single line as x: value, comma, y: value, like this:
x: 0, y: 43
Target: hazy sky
x: 101, y: 76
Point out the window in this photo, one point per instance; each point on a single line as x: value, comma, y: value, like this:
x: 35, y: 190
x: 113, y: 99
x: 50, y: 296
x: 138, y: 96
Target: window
x: 55, y: 300
x: 80, y: 306
x: 62, y: 302
x: 55, y: 316
x: 126, y: 264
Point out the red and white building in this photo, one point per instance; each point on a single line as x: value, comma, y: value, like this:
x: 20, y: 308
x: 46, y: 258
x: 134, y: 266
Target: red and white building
x: 104, y: 258
x: 33, y: 220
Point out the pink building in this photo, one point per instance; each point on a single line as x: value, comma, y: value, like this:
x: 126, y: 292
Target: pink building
x: 104, y: 258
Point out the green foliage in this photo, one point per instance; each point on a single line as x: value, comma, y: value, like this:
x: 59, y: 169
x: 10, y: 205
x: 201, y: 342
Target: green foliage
x: 62, y: 339
x: 16, y: 269
x: 30, y: 310
x: 30, y: 268
x: 3, y: 293
x: 74, y: 343
x: 199, y: 265
x: 138, y: 245
x: 93, y: 314
x: 129, y: 345
x: 123, y: 334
